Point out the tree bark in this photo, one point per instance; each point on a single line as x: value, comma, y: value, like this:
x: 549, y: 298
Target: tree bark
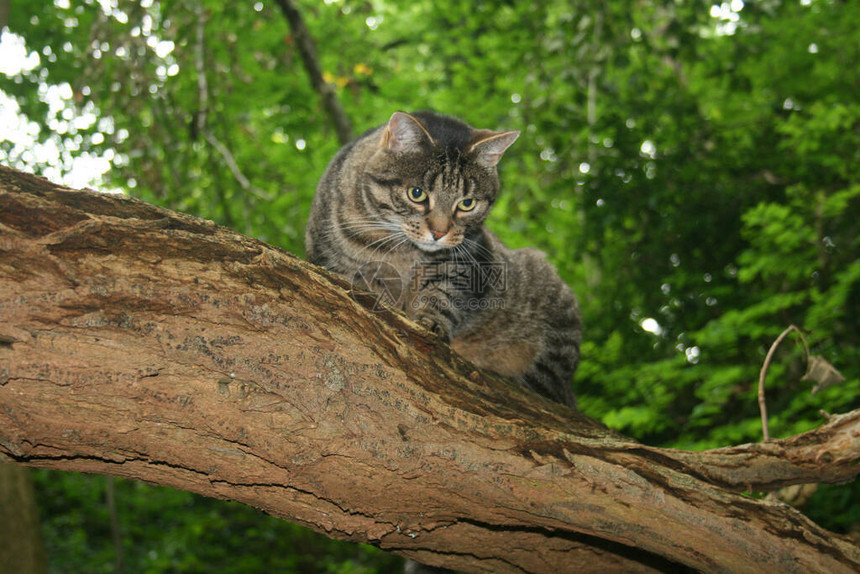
x: 148, y: 344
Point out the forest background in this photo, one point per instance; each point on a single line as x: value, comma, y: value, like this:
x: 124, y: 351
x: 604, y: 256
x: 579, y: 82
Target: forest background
x: 691, y: 168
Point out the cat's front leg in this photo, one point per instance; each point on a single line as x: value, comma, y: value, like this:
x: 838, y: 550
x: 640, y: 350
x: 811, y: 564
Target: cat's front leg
x: 433, y: 309
x: 441, y: 296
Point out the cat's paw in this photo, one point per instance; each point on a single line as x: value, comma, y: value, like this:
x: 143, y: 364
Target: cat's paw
x: 435, y: 327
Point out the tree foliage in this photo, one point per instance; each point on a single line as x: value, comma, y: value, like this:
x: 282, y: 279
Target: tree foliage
x: 691, y: 169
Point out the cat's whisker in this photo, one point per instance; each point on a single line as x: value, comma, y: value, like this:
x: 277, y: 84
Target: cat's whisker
x: 347, y: 224
x: 368, y: 226
x: 455, y: 255
x: 477, y: 265
x: 355, y: 228
x: 395, y: 239
x: 478, y: 247
x: 367, y: 221
x: 467, y: 256
x: 397, y: 245
x: 356, y: 233
x: 382, y: 241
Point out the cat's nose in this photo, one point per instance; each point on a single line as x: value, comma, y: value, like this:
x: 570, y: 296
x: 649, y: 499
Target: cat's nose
x: 437, y: 235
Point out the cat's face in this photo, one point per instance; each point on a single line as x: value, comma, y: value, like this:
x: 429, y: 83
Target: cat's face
x: 434, y: 192
x: 434, y: 201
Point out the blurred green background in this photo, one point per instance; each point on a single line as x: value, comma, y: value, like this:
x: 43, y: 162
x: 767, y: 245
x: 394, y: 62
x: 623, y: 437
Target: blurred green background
x: 691, y: 168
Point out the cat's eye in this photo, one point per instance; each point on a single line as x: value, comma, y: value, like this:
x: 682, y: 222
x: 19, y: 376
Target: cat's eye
x: 416, y: 194
x: 467, y: 204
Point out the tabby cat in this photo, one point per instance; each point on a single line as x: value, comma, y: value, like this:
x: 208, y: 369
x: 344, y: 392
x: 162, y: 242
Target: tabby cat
x: 400, y: 212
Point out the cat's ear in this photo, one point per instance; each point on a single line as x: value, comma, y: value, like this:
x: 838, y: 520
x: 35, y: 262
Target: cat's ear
x: 404, y: 133
x: 490, y: 146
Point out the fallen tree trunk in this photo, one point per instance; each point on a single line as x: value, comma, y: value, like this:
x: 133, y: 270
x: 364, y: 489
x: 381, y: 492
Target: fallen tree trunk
x: 148, y: 344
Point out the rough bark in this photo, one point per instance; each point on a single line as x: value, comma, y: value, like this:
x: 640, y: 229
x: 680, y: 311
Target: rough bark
x: 143, y: 343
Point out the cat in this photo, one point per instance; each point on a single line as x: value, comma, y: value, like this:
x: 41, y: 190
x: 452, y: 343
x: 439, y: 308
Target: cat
x: 400, y: 212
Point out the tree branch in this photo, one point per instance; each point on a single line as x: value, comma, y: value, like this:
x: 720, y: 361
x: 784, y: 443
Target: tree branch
x: 308, y: 52
x: 828, y: 454
x: 143, y: 343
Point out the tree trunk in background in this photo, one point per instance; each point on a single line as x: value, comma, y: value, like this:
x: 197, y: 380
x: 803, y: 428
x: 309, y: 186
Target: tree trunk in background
x: 21, y: 549
x: 308, y: 53
x: 143, y: 343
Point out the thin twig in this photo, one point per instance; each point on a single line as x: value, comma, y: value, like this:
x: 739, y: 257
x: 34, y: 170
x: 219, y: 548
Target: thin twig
x: 234, y: 166
x: 762, y: 404
x: 199, y: 61
x: 203, y: 111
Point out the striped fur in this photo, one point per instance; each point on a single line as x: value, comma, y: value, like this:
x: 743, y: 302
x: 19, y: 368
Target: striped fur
x: 410, y: 198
